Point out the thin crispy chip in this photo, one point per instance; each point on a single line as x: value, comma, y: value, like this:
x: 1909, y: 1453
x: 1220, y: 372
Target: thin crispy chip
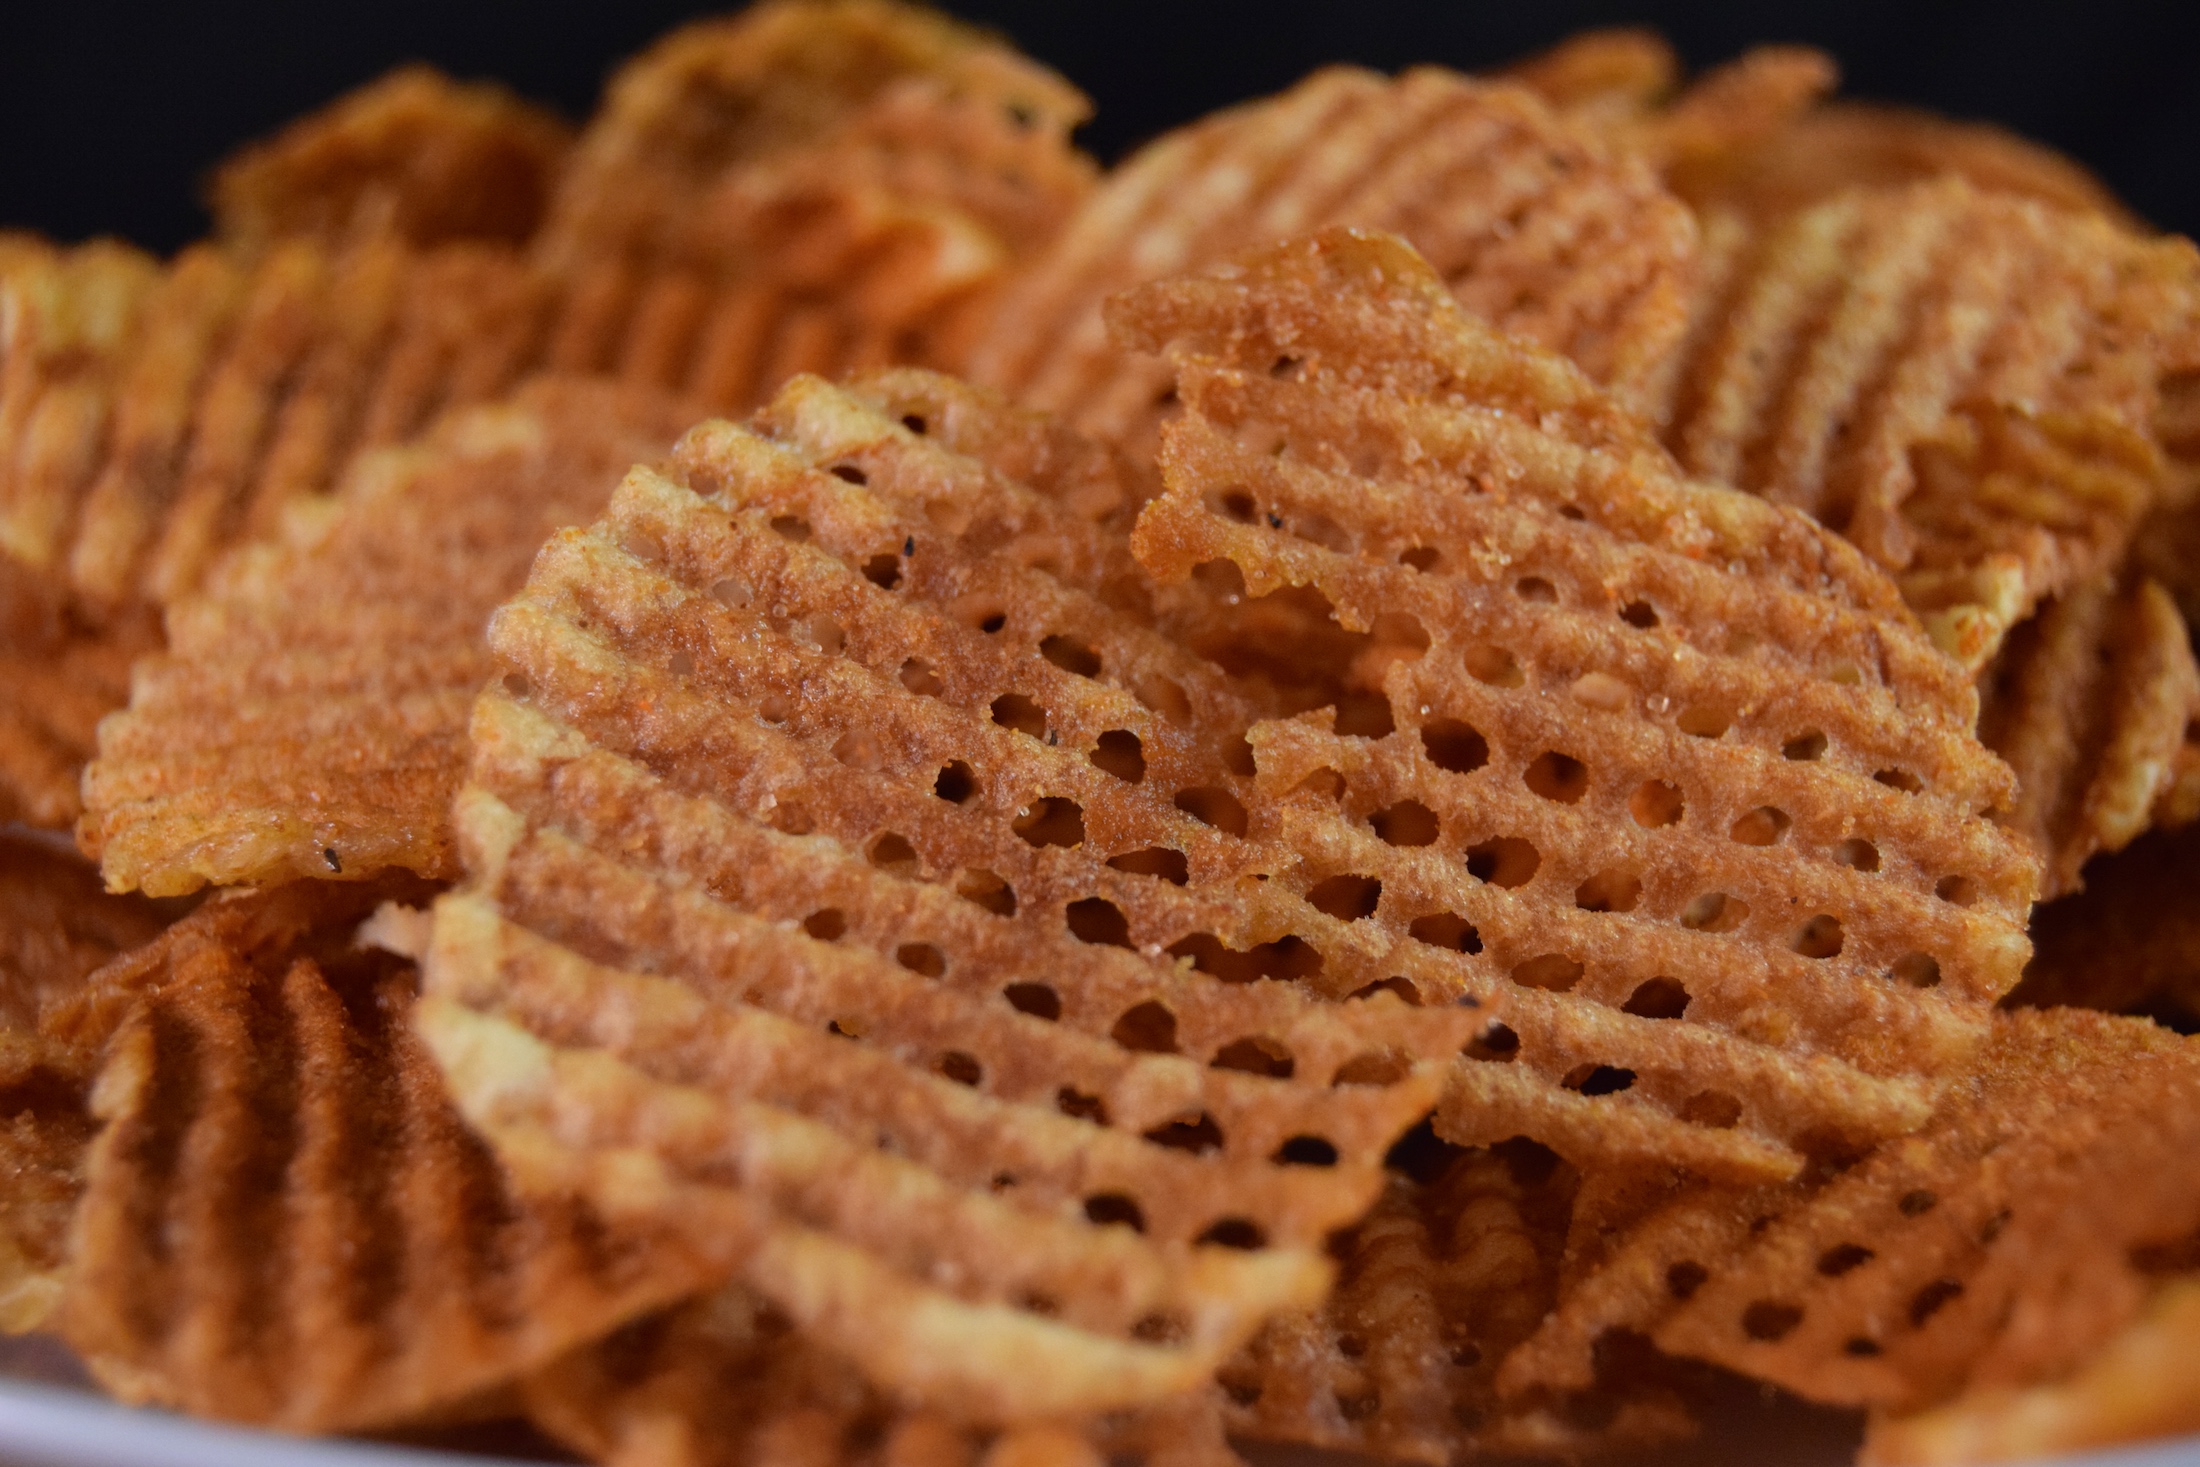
x: 865, y: 79
x: 1528, y: 217
x: 309, y: 717
x: 1963, y: 383
x: 1996, y: 1245
x: 816, y: 698
x: 285, y: 1222
x: 412, y: 155
x: 1753, y: 98
x: 2139, y: 1385
x: 2130, y: 942
x: 2090, y: 702
x: 1602, y: 77
x: 723, y: 1382
x: 1666, y: 767
x: 1437, y: 1284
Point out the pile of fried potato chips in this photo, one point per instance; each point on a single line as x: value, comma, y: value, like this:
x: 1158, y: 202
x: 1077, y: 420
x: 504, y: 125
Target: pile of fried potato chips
x: 798, y: 780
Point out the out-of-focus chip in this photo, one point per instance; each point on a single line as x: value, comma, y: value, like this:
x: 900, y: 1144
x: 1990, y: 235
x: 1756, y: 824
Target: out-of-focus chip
x: 283, y: 1219
x: 1437, y: 1283
x: 57, y: 926
x: 835, y: 698
x: 2090, y: 702
x: 309, y: 717
x: 723, y: 1382
x: 1999, y: 1245
x: 1666, y: 767
x: 412, y: 156
x: 1602, y: 77
x: 62, y: 669
x: 2130, y: 942
x: 1963, y: 383
x: 1529, y: 218
x: 2139, y: 1385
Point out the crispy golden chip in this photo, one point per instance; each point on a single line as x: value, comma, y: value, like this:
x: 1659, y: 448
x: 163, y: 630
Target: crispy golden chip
x: 905, y: 94
x: 2130, y: 942
x: 817, y: 698
x: 1996, y: 1245
x: 309, y: 717
x: 1963, y: 383
x: 1528, y: 217
x: 1666, y: 767
x: 1603, y: 77
x: 723, y: 1382
x: 412, y: 156
x: 1728, y: 110
x: 285, y: 1222
x: 2139, y: 1385
x: 2090, y: 702
x: 1441, y: 1279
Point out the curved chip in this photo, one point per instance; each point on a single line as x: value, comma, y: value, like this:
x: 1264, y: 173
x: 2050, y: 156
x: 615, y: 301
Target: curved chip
x: 844, y: 701
x: 1650, y: 759
x: 1529, y: 219
x: 1963, y: 383
x: 284, y: 1221
x: 412, y: 156
x: 309, y: 716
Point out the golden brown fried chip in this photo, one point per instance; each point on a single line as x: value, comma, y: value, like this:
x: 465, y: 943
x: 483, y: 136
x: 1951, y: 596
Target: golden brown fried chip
x: 1667, y: 768
x: 839, y: 699
x: 412, y: 156
x: 285, y: 1222
x: 2090, y: 702
x: 1995, y: 1246
x: 1728, y: 110
x: 2139, y: 1385
x: 1530, y: 220
x: 1963, y: 383
x: 1602, y: 77
x: 309, y: 717
x: 2130, y: 942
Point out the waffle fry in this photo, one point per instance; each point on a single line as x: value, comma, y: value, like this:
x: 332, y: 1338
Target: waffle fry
x: 2090, y: 702
x: 1527, y: 217
x: 1962, y: 383
x: 412, y: 156
x: 285, y: 1222
x: 281, y: 735
x: 1658, y: 832
x: 828, y: 666
x: 2138, y: 1386
x: 1993, y: 1247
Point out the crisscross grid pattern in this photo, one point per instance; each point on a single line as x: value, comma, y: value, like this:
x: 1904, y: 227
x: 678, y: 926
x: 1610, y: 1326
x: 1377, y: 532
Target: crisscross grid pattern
x: 284, y: 1220
x: 1669, y: 762
x: 2090, y: 701
x: 412, y: 155
x: 1529, y: 220
x: 1964, y: 383
x: 309, y: 716
x: 836, y: 703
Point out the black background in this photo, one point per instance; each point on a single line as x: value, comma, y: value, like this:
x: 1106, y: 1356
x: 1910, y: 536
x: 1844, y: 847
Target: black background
x: 112, y: 111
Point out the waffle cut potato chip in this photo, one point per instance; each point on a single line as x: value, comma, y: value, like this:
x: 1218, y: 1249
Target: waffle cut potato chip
x: 828, y: 842
x: 722, y: 1382
x: 1529, y: 218
x: 2139, y: 1385
x: 412, y: 156
x: 309, y: 716
x: 284, y: 1221
x: 1995, y: 1248
x: 1963, y: 383
x: 1667, y: 769
x: 2129, y: 943
x: 2090, y: 702
x: 806, y: 187
x: 62, y: 669
x: 1438, y: 1283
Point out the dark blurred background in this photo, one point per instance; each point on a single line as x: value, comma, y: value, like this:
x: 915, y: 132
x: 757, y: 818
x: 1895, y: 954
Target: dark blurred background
x: 112, y: 111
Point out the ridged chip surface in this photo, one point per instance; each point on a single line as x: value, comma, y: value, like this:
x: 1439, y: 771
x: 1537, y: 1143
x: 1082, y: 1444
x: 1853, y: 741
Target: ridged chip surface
x: 1963, y: 383
x: 1668, y: 768
x: 834, y: 697
x: 2090, y: 702
x: 1999, y: 1244
x: 285, y: 1222
x: 308, y: 718
x: 411, y: 156
x: 1529, y: 219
